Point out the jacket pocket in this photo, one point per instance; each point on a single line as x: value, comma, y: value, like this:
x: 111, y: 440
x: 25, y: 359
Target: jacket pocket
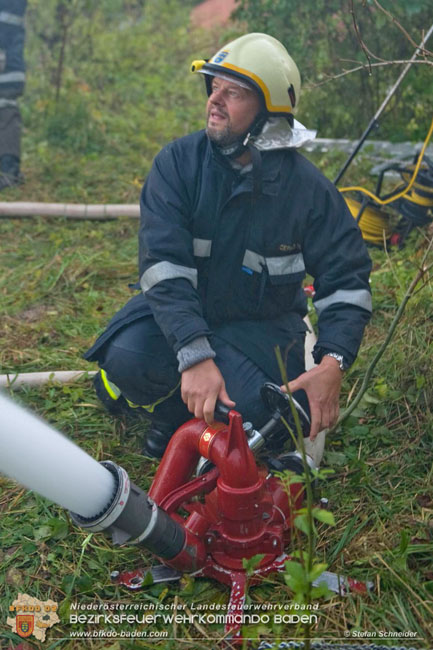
x: 284, y: 276
x: 285, y: 269
x: 270, y: 283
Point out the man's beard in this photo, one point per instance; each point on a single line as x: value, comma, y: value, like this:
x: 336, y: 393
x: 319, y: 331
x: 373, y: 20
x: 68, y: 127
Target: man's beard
x: 222, y: 137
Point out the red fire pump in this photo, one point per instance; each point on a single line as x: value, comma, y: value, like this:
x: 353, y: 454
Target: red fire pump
x: 236, y: 507
x: 245, y: 510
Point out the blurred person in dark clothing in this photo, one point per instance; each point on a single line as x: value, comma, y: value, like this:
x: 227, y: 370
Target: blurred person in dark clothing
x: 12, y: 78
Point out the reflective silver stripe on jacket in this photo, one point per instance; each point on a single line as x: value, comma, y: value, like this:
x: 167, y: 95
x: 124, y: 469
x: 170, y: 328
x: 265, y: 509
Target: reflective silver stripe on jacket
x: 11, y: 19
x: 202, y: 247
x: 4, y: 103
x: 282, y: 265
x: 358, y: 297
x: 253, y: 261
x: 11, y: 77
x: 167, y: 271
x: 286, y: 264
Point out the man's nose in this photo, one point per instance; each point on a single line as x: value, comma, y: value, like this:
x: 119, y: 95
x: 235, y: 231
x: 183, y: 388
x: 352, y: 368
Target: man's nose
x: 216, y: 97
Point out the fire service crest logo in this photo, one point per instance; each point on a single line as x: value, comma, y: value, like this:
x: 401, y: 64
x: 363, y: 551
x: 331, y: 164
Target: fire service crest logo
x: 25, y: 624
x: 33, y: 616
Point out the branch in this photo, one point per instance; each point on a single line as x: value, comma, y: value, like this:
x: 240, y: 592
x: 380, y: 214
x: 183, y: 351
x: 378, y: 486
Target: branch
x: 426, y: 281
x: 424, y: 269
x: 389, y: 15
x: 358, y: 35
x: 364, y: 67
x: 368, y: 53
x: 420, y: 50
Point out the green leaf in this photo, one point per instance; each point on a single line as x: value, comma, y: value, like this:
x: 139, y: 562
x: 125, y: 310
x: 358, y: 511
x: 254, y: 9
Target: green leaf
x: 27, y: 530
x: 370, y: 399
x: 382, y: 433
x: 187, y: 584
x: 295, y: 570
x: 321, y: 591
x: 59, y: 528
x: 290, y: 478
x: 250, y: 564
x: 84, y: 583
x: 336, y: 458
x: 43, y: 532
x: 380, y: 410
x: 301, y: 522
x: 360, y: 431
x: 420, y: 381
x: 357, y: 413
x: 381, y: 389
x: 64, y: 608
x: 317, y: 570
x: 29, y: 548
x: 325, y: 516
x: 295, y: 577
x: 300, y: 554
x: 147, y: 580
x: 323, y: 473
x: 67, y: 582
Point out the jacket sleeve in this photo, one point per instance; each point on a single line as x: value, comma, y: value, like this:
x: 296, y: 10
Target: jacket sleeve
x: 336, y: 256
x: 168, y: 275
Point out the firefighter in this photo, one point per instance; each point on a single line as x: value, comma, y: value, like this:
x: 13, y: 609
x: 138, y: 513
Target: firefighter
x: 233, y: 217
x: 12, y: 78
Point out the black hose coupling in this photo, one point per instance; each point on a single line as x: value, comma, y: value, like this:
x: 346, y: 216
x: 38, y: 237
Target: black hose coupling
x: 132, y: 517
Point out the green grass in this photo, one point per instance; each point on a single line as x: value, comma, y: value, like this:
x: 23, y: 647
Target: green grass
x: 62, y: 281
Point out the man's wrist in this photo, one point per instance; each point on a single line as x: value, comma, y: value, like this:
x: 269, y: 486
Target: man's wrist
x: 339, y: 358
x: 195, y: 352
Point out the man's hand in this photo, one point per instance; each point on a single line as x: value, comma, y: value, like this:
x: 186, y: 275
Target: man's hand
x: 201, y: 386
x: 322, y: 385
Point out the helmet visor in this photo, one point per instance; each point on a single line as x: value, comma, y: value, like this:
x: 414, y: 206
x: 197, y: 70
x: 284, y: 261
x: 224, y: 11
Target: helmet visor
x: 226, y: 77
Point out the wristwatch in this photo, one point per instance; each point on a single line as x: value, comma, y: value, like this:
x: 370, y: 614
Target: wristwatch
x: 337, y: 357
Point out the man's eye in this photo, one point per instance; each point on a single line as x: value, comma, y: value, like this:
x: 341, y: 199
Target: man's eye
x: 234, y: 94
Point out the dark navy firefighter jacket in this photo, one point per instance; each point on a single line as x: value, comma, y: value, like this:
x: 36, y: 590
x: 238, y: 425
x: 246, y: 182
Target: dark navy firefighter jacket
x: 215, y: 259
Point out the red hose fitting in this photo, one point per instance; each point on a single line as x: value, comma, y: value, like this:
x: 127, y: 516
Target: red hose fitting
x: 180, y: 459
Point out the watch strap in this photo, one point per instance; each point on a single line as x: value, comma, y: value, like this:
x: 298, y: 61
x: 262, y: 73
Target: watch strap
x: 338, y: 357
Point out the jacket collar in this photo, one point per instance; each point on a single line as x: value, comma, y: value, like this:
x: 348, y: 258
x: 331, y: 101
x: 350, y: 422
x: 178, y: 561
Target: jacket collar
x: 271, y: 165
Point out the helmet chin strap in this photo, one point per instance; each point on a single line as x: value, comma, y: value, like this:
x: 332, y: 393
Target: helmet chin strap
x: 242, y: 144
x: 256, y: 159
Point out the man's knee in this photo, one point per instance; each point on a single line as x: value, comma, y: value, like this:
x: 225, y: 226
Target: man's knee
x: 144, y: 370
x: 120, y: 366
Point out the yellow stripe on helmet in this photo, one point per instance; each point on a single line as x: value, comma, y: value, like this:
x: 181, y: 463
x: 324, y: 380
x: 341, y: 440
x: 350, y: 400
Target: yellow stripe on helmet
x: 262, y: 86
